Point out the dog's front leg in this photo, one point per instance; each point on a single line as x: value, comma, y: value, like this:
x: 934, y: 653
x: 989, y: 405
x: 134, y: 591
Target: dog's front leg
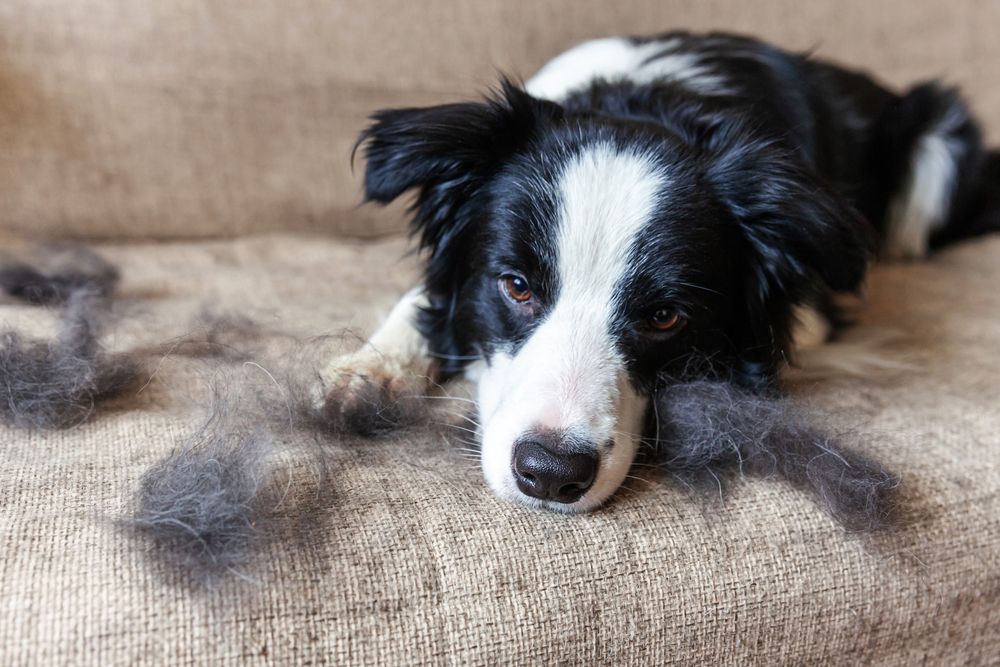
x: 379, y: 386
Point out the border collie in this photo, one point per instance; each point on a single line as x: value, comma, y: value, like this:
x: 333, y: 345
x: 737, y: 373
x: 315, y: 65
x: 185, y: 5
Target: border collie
x: 637, y: 204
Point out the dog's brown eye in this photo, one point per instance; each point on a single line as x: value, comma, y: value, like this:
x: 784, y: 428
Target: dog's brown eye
x: 516, y: 288
x: 665, y: 319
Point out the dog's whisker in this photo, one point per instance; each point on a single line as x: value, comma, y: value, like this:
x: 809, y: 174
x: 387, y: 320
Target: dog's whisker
x: 640, y: 479
x: 459, y: 415
x: 460, y: 441
x: 444, y: 398
x: 465, y: 417
x: 698, y: 287
x: 457, y: 427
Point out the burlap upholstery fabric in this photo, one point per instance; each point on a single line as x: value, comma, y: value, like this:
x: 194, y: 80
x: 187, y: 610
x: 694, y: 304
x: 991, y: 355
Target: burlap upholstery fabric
x: 126, y: 120
x: 415, y: 562
x: 179, y: 118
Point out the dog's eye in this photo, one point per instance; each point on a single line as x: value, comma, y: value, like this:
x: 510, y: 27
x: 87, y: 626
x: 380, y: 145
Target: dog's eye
x: 515, y: 287
x: 665, y: 319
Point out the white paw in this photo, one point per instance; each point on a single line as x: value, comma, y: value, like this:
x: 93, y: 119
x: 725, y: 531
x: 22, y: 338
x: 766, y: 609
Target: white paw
x: 367, y: 393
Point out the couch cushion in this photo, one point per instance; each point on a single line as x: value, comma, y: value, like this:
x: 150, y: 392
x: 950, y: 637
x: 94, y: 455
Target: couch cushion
x: 411, y: 560
x: 148, y: 119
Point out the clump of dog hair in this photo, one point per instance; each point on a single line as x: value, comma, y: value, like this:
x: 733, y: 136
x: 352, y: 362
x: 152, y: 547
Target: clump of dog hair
x: 58, y: 274
x: 205, y: 505
x: 709, y: 429
x: 211, y: 503
x: 57, y: 383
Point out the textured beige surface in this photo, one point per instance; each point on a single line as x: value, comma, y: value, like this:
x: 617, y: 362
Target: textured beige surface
x: 413, y: 561
x: 124, y: 119
x: 184, y: 118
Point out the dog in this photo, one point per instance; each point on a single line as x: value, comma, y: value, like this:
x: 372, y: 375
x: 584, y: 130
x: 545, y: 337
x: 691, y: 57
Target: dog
x: 638, y: 204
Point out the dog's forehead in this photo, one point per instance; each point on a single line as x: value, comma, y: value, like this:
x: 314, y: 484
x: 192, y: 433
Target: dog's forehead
x: 609, y: 217
x: 605, y: 196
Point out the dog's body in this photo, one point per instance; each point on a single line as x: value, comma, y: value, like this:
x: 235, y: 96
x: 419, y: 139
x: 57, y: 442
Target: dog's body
x: 640, y: 204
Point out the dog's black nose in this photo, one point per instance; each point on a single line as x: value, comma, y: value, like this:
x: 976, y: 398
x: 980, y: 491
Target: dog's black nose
x: 548, y: 475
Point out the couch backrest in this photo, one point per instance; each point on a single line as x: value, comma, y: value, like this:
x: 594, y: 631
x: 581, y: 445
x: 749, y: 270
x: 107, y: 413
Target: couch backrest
x: 180, y: 118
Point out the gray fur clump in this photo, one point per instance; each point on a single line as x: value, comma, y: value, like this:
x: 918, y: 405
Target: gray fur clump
x: 58, y: 275
x: 57, y: 383
x: 205, y: 505
x: 711, y: 429
x: 211, y: 504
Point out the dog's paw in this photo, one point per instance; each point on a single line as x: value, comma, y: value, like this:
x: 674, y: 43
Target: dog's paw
x: 368, y: 394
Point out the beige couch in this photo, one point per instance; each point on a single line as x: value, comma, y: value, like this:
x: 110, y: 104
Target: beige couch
x: 204, y: 146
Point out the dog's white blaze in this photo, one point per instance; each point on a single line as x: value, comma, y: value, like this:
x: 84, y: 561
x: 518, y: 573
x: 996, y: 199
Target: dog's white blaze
x: 921, y: 207
x: 615, y: 59
x: 569, y: 375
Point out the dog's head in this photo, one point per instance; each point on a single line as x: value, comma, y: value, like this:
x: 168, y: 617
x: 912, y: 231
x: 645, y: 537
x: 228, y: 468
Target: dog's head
x: 581, y: 256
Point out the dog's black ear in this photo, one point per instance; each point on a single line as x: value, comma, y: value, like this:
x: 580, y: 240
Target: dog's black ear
x: 446, y: 152
x: 801, y: 239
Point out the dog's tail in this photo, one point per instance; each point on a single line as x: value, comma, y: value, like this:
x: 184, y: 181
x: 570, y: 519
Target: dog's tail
x: 944, y: 182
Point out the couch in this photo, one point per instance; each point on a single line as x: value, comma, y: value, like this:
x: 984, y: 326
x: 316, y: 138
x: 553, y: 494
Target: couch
x: 203, y: 147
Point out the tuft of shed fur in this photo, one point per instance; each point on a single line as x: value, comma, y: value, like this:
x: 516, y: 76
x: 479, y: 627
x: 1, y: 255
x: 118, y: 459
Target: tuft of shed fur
x: 58, y: 383
x: 709, y: 428
x: 59, y: 274
x: 204, y: 506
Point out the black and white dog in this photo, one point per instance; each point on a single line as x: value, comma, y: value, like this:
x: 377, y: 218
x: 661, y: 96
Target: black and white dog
x: 638, y: 203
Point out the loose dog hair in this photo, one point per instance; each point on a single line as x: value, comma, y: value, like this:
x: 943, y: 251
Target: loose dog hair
x: 710, y: 430
x: 58, y: 382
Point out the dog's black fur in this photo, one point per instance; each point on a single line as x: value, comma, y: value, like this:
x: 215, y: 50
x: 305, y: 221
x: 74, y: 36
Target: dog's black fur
x: 781, y: 190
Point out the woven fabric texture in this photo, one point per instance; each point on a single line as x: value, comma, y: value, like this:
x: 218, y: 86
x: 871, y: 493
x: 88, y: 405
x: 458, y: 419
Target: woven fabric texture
x: 411, y: 560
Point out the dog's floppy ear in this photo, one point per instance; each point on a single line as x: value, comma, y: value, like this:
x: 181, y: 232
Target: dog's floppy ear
x: 800, y: 238
x: 446, y: 152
